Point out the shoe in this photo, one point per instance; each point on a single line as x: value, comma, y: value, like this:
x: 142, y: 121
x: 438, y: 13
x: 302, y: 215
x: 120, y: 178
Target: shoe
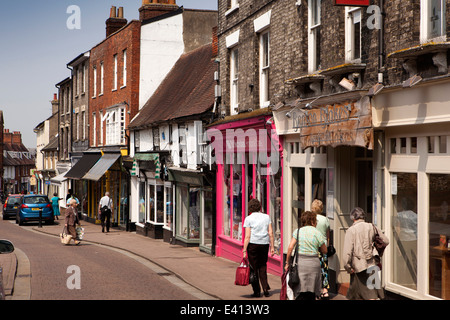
x: 324, y: 296
x: 256, y: 295
x: 266, y: 294
x: 77, y: 242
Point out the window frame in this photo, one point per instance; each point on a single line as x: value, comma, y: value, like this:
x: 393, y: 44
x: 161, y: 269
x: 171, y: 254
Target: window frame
x: 314, y: 9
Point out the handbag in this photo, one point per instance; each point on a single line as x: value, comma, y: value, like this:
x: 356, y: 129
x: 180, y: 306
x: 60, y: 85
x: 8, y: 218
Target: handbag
x: 65, y: 237
x: 330, y: 251
x: 294, y: 278
x: 378, y: 243
x: 243, y: 274
x: 283, y: 291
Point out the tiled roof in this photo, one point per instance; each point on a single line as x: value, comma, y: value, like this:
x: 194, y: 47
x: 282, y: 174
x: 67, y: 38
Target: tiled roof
x: 187, y: 90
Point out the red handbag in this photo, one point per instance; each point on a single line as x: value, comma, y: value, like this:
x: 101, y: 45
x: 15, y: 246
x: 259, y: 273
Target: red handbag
x: 243, y: 273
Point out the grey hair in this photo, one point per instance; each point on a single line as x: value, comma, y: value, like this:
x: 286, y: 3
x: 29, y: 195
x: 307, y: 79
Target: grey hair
x: 106, y: 193
x: 357, y: 214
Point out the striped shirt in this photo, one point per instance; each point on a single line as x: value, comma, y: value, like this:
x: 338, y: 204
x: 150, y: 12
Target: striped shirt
x: 309, y: 240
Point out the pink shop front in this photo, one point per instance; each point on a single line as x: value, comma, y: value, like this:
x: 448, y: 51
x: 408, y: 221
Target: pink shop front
x: 251, y: 167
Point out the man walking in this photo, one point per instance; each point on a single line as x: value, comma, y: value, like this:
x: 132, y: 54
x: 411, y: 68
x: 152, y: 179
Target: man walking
x: 104, y: 209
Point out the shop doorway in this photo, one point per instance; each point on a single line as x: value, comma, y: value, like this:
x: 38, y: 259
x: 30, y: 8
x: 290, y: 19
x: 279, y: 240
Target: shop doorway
x: 364, y: 181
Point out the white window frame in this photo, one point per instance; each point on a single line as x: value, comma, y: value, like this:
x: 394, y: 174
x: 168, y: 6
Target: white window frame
x: 115, y: 73
x: 83, y: 117
x: 84, y: 79
x: 102, y: 118
x: 313, y: 28
x: 94, y: 133
x: 352, y: 17
x: 264, y: 68
x: 102, y: 77
x: 124, y: 79
x: 95, y: 82
x: 115, y: 126
x: 234, y: 81
x: 426, y: 14
x: 234, y: 5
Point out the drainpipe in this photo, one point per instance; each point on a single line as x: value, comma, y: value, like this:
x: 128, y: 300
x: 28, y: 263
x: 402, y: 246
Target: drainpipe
x: 381, y: 44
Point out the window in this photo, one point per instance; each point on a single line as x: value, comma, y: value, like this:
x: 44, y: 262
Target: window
x: 102, y: 77
x: 83, y: 79
x: 94, y: 132
x: 168, y: 221
x: 101, y: 128
x: 77, y: 125
x: 83, y: 124
x: 432, y: 21
x: 142, y: 201
x: 264, y: 64
x: 115, y: 72
x: 234, y: 77
x: 95, y: 82
x: 353, y: 33
x: 124, y: 81
x: 115, y: 126
x: 314, y: 35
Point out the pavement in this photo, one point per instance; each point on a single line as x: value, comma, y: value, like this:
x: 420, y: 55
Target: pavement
x: 206, y: 277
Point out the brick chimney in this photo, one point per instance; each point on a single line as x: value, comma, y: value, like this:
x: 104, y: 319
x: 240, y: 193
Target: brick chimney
x: 55, y: 103
x: 116, y: 21
x: 154, y: 8
x: 17, y: 138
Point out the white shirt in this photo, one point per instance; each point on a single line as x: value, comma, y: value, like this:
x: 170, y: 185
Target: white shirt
x: 259, y: 224
x: 105, y: 201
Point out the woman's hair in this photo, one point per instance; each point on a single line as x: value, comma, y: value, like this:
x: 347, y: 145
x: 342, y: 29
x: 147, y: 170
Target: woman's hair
x: 357, y: 214
x: 317, y: 206
x: 308, y: 218
x: 55, y: 194
x: 254, y: 205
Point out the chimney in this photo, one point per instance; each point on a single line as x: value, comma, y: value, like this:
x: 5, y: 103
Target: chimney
x: 17, y: 138
x: 116, y: 21
x: 154, y: 8
x: 55, y: 103
x: 215, y: 43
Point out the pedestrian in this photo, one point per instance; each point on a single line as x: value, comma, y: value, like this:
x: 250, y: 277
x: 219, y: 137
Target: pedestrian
x: 71, y: 220
x: 104, y: 210
x: 258, y: 240
x: 323, y: 225
x: 360, y: 259
x: 310, y: 242
x: 55, y: 205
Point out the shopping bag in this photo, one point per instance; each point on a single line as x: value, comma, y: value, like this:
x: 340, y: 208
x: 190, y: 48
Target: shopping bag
x: 80, y: 233
x: 283, y: 292
x: 65, y: 237
x: 243, y: 274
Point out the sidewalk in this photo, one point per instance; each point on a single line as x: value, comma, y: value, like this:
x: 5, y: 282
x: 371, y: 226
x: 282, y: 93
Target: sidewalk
x: 214, y: 276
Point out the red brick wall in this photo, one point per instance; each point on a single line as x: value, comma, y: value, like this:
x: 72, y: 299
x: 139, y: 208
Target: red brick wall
x: 127, y: 38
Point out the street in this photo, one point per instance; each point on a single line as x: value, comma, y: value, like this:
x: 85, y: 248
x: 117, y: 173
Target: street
x: 86, y: 271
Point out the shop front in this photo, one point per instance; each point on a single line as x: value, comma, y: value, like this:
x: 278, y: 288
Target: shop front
x: 249, y: 165
x: 329, y: 155
x: 414, y: 125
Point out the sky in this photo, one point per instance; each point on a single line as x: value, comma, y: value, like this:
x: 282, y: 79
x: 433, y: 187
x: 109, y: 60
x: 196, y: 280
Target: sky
x: 36, y: 44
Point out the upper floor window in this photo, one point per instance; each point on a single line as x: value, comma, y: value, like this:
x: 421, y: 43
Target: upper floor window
x: 115, y: 72
x: 124, y: 81
x: 115, y: 126
x: 314, y: 22
x: 432, y: 21
x: 264, y: 65
x: 352, y: 33
x: 234, y: 78
x: 102, y: 77
x: 232, y: 6
x: 95, y: 82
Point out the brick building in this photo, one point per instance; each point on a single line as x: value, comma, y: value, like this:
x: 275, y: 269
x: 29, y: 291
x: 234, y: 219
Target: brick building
x: 358, y: 98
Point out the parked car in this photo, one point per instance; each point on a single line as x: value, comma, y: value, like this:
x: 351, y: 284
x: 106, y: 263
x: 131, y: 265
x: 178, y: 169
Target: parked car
x: 11, y: 206
x: 5, y: 247
x: 31, y: 206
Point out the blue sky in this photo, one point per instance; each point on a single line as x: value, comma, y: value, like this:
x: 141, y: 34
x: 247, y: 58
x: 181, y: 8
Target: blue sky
x: 36, y: 45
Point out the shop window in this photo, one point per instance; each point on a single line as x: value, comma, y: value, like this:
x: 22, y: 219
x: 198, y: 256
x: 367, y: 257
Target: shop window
x: 227, y: 200
x: 298, y: 194
x: 275, y: 209
x: 404, y: 222
x: 182, y: 209
x: 319, y: 186
x: 237, y: 202
x: 188, y: 212
x: 142, y: 202
x: 207, y: 220
x: 169, y: 208
x: 159, y: 204
x: 439, y: 236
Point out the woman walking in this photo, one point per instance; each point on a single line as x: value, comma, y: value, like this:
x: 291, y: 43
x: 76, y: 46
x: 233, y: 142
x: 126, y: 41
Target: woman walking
x: 55, y: 205
x: 258, y: 240
x: 72, y: 220
x: 359, y: 257
x: 310, y: 242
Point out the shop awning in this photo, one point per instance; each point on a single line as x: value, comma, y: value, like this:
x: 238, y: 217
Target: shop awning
x: 102, y: 165
x: 191, y: 177
x: 58, y: 179
x: 83, y: 165
x: 150, y: 162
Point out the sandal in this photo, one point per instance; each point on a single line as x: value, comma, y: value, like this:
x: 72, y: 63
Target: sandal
x: 324, y: 296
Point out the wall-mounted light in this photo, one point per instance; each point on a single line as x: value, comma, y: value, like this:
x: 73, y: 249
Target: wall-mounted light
x: 412, y: 81
x: 347, y: 84
x: 375, y: 89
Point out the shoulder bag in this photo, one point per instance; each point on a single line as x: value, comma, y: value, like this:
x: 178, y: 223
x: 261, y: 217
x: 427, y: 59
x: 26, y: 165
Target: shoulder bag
x: 378, y: 242
x: 294, y: 279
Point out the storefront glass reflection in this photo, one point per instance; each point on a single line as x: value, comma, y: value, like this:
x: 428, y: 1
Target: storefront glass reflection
x: 439, y: 236
x: 142, y: 201
x: 298, y: 195
x: 404, y: 222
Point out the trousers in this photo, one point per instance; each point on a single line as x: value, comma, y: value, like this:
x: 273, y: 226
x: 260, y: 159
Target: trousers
x: 105, y: 215
x: 257, y: 257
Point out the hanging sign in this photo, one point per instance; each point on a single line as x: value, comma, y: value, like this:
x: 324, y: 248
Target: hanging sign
x: 352, y: 3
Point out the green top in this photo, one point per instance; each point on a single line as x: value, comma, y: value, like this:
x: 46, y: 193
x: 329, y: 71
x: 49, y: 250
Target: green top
x: 309, y: 240
x: 322, y: 225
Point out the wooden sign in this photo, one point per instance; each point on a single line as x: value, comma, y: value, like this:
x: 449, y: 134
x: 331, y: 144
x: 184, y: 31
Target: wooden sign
x: 352, y: 3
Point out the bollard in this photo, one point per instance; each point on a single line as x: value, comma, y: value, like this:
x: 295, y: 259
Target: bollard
x: 40, y: 218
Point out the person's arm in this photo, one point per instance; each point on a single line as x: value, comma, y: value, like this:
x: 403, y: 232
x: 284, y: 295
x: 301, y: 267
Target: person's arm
x: 291, y: 247
x: 248, y: 232
x: 348, y: 252
x: 272, y: 249
x: 323, y: 248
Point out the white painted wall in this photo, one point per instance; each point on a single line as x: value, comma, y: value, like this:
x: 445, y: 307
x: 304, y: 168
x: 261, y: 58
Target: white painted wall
x: 161, y: 46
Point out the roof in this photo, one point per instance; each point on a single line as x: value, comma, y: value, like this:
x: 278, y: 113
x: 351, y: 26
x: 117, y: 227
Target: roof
x: 52, y: 145
x: 187, y: 90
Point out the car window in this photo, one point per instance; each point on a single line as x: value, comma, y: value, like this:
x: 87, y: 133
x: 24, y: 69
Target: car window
x: 35, y: 200
x: 13, y: 201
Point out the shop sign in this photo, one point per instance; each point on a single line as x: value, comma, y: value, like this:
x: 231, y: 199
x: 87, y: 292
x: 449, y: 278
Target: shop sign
x: 353, y: 3
x: 348, y: 123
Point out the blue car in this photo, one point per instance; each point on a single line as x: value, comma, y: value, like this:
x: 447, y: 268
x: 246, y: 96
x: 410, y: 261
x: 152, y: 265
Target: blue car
x: 32, y: 206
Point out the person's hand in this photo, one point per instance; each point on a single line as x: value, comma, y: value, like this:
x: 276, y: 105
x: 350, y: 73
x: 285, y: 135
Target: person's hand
x: 272, y: 251
x: 286, y: 267
x: 244, y: 254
